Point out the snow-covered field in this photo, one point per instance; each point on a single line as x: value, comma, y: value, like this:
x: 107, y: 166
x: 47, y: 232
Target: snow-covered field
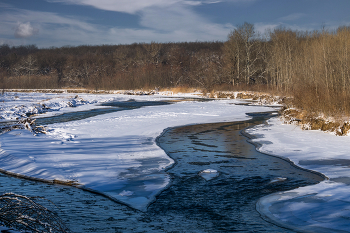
x: 116, y: 153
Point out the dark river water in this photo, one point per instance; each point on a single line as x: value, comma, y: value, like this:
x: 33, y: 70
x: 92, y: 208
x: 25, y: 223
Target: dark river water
x: 194, y: 201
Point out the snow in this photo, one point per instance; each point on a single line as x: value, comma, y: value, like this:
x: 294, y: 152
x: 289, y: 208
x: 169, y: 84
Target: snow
x: 16, y: 106
x: 114, y: 153
x: 324, y: 207
x: 209, y: 174
x: 117, y: 154
x: 278, y: 179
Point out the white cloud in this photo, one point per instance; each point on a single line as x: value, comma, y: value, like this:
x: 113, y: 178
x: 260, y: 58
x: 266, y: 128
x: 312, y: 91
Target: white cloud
x: 134, y: 6
x: 292, y: 17
x: 4, y: 41
x: 127, y: 6
x: 165, y: 20
x: 39, y: 17
x: 181, y: 23
x: 160, y: 20
x: 4, y: 5
x: 49, y: 24
x: 57, y: 30
x: 262, y: 28
x: 193, y: 3
x: 25, y: 30
x: 158, y: 23
x: 169, y: 19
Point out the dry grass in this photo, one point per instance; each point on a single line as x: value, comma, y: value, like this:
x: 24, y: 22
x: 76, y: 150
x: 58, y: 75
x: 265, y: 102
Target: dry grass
x: 29, y: 82
x: 180, y: 89
x: 311, y: 121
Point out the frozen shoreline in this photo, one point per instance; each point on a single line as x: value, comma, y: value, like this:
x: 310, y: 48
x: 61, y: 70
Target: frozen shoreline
x: 116, y: 153
x: 323, y: 207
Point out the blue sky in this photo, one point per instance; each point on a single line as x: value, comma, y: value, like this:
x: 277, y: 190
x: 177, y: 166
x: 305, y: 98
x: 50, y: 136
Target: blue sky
x: 58, y: 23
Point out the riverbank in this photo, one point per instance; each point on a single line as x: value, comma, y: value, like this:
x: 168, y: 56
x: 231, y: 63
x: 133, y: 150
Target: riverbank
x: 323, y: 207
x: 125, y: 144
x: 107, y: 152
x: 211, y: 201
x: 338, y: 125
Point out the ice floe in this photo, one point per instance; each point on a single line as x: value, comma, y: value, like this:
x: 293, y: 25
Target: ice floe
x: 209, y: 174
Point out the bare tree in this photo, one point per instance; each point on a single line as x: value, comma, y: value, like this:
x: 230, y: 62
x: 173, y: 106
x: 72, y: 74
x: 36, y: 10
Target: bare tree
x: 28, y: 66
x: 243, y: 52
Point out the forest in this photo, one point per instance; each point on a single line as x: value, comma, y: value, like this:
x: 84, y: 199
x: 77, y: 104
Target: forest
x: 313, y: 67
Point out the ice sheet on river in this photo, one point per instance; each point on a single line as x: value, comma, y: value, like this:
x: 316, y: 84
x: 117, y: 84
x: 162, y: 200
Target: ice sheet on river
x: 324, y: 207
x: 113, y: 153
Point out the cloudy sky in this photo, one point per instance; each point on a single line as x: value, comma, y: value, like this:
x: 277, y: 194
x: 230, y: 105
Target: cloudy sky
x: 57, y: 23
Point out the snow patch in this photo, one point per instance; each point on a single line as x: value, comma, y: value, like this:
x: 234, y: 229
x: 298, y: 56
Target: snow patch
x: 318, y: 208
x: 209, y: 174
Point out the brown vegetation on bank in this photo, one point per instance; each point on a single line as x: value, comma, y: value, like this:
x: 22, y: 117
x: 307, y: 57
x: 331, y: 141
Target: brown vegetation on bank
x: 311, y: 121
x: 312, y: 67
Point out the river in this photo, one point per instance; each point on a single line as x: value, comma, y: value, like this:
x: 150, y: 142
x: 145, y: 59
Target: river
x: 221, y: 201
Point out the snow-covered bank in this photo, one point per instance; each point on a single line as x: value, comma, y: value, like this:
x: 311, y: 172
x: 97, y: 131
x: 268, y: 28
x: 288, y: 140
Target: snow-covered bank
x: 324, y: 207
x: 116, y: 153
x: 113, y: 153
x: 16, y: 106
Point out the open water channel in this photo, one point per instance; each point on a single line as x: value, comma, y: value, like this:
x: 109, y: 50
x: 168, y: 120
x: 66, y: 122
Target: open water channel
x: 223, y: 201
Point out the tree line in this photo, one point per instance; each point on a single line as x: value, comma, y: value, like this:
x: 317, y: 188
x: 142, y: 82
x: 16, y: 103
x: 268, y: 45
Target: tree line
x: 313, y: 67
x: 116, y: 67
